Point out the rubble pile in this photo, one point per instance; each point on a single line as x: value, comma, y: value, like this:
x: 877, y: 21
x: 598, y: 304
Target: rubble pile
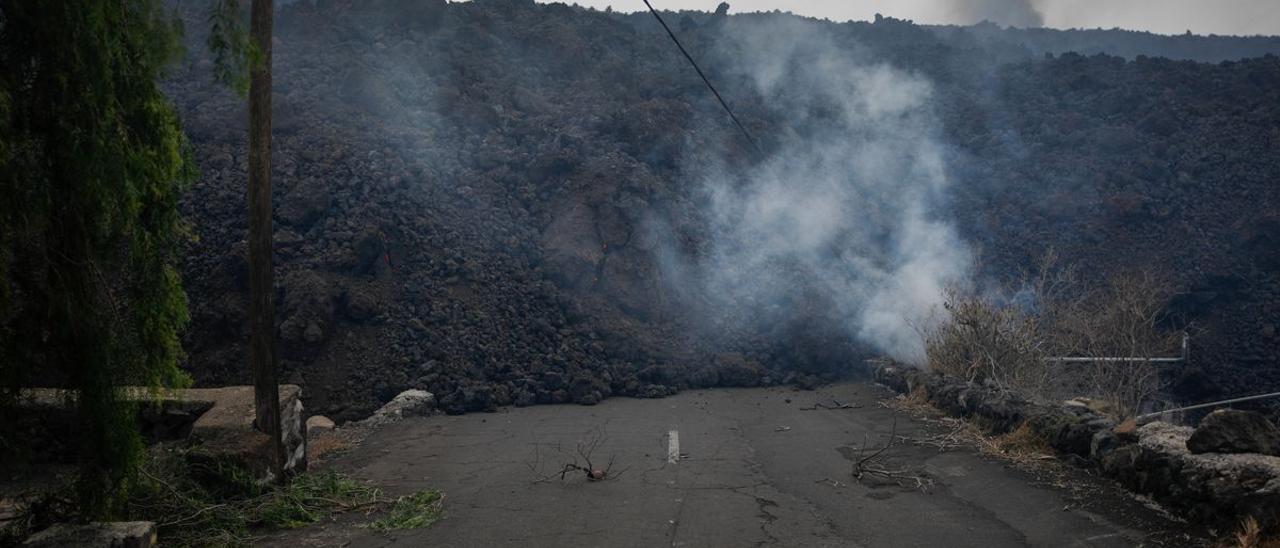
x: 466, y: 196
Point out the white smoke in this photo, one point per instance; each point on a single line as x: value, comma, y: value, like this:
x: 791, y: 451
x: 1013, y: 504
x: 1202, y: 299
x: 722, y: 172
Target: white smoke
x: 847, y: 207
x: 1010, y: 13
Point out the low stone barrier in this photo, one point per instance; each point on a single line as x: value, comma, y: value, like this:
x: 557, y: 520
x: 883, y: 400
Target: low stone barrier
x: 220, y: 420
x: 1215, y: 489
x: 226, y: 429
x: 122, y: 534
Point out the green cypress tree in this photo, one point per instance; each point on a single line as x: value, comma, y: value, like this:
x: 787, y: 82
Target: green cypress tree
x: 92, y: 162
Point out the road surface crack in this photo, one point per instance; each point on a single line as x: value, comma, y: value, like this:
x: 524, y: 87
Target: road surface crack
x: 766, y: 519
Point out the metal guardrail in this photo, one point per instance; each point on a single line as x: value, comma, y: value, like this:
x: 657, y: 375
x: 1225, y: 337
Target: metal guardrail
x: 1186, y: 353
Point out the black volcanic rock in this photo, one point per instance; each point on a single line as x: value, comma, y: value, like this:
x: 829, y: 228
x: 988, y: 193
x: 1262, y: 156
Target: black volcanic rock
x: 305, y: 204
x: 482, y: 185
x: 1235, y: 431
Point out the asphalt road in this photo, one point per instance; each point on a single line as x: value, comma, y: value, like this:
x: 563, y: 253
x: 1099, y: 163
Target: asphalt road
x: 753, y: 467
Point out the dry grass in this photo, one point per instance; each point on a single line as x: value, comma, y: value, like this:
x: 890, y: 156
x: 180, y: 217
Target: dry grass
x: 1021, y: 444
x: 1250, y: 535
x: 327, y: 443
x: 916, y: 404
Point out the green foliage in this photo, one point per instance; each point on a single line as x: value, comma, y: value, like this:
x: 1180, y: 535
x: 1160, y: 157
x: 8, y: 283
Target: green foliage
x: 233, y: 52
x: 202, y: 502
x: 195, y: 502
x: 421, y: 509
x: 92, y: 162
x: 309, y: 497
x: 198, y: 502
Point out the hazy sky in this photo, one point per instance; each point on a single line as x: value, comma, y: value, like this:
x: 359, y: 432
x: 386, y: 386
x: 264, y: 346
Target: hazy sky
x: 1162, y: 16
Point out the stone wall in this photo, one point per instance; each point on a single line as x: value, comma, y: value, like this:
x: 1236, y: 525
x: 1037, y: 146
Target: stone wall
x: 227, y: 430
x: 1153, y: 459
x: 219, y: 420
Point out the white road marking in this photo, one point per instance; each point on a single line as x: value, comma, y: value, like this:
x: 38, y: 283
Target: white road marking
x: 673, y: 446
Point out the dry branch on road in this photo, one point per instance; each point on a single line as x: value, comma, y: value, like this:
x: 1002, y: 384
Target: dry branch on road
x: 579, y: 460
x: 835, y: 405
x: 867, y: 464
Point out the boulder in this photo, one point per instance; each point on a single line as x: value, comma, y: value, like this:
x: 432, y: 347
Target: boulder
x: 368, y: 248
x: 706, y: 377
x: 305, y: 204
x: 319, y: 423
x: 585, y: 391
x: 808, y: 382
x: 467, y: 398
x: 308, y: 312
x: 1235, y: 431
x: 361, y: 302
x: 1211, y: 488
x: 407, y: 404
x: 734, y: 369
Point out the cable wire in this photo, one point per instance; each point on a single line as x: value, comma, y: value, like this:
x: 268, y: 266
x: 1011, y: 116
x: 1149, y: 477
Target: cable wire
x: 705, y: 80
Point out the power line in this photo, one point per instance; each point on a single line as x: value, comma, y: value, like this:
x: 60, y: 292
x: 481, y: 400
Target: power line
x: 706, y: 81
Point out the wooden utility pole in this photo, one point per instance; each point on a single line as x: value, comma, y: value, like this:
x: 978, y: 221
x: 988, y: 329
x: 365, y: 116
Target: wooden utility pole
x: 262, y: 324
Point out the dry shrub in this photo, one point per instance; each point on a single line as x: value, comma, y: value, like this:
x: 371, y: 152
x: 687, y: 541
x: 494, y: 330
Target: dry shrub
x: 1021, y: 443
x: 1120, y: 318
x: 984, y: 342
x: 1249, y: 534
x: 1010, y: 340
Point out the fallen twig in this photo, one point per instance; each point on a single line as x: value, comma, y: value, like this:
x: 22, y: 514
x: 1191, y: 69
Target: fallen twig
x: 862, y: 461
x: 836, y: 405
x: 580, y: 460
x: 921, y: 482
x: 865, y: 465
x: 831, y: 482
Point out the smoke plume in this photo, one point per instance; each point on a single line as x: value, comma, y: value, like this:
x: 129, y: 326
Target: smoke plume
x: 1011, y: 13
x: 842, y: 218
